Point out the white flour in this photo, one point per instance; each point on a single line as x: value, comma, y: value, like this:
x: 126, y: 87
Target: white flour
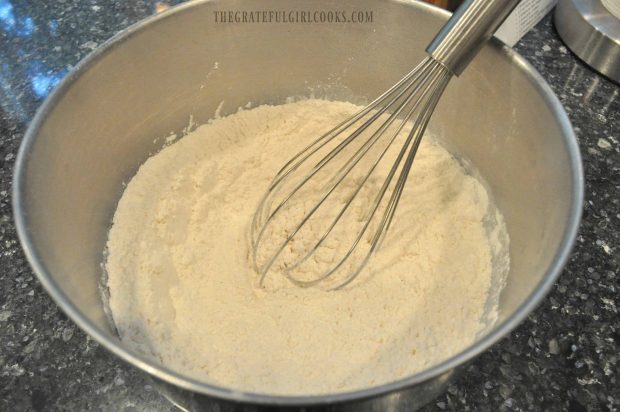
x: 182, y: 287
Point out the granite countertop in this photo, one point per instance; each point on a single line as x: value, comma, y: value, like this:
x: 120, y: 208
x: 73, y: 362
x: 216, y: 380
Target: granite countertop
x: 565, y: 356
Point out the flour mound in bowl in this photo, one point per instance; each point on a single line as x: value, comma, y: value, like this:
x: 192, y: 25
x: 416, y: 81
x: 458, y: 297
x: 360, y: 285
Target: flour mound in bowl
x: 182, y: 287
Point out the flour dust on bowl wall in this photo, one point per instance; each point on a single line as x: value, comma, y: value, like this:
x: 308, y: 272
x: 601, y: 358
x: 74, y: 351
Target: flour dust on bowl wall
x: 482, y: 229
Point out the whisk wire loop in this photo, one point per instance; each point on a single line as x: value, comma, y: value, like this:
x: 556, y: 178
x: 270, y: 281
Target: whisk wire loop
x: 418, y: 90
x: 415, y: 135
x: 412, y: 88
x: 349, y: 201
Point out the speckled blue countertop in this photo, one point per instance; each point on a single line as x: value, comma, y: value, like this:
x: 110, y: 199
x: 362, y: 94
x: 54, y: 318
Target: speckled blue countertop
x: 565, y: 356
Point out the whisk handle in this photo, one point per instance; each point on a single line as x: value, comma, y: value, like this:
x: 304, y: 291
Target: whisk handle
x: 471, y: 25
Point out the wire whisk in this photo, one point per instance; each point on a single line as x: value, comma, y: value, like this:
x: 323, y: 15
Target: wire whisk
x: 328, y: 209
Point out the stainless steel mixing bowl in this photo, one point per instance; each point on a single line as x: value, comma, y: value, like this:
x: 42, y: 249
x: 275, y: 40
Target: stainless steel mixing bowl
x: 98, y: 126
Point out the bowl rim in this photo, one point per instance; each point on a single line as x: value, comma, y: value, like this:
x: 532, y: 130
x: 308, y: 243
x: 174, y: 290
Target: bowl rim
x: 162, y: 372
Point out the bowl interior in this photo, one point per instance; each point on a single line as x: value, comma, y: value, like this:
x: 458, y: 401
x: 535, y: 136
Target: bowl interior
x: 94, y: 132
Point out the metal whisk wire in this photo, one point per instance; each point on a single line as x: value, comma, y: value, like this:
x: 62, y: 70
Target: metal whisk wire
x: 415, y: 135
x: 410, y: 93
x: 419, y: 91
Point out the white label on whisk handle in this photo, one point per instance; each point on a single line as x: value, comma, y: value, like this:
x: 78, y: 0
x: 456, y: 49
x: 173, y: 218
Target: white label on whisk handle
x: 522, y: 19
